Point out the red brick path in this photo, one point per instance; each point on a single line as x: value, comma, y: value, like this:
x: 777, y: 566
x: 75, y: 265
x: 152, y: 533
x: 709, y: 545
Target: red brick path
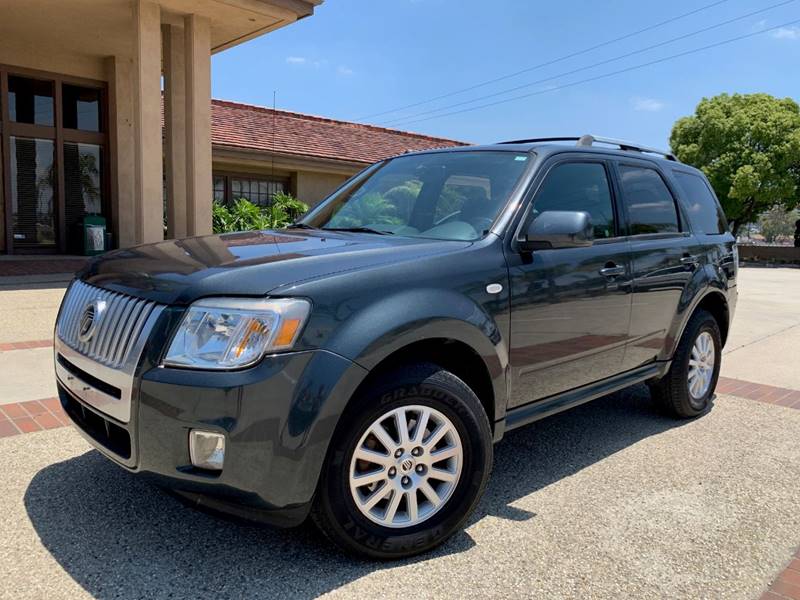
x: 768, y: 394
x: 786, y: 585
x: 11, y: 268
x: 30, y: 416
x: 6, y: 346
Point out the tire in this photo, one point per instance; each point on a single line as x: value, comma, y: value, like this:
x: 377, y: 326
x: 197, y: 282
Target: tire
x: 377, y: 532
x: 675, y: 392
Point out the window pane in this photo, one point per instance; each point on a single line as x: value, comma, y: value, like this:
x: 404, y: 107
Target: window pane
x: 465, y: 198
x: 257, y: 191
x: 81, y: 107
x: 219, y: 188
x: 30, y: 100
x: 704, y: 213
x: 32, y: 183
x: 83, y: 190
x: 580, y: 187
x: 404, y: 195
x: 651, y: 208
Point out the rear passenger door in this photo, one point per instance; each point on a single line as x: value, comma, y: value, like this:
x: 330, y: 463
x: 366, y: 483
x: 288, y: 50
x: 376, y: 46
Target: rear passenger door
x: 664, y: 256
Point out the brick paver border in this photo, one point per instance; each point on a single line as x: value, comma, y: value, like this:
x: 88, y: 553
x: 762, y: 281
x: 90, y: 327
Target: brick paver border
x: 786, y: 585
x: 30, y: 416
x: 7, y: 346
x: 768, y: 394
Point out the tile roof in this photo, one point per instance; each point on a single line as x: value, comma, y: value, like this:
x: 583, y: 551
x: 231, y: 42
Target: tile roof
x: 250, y: 127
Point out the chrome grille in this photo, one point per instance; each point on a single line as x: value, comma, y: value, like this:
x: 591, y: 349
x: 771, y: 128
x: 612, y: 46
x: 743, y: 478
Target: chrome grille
x: 120, y: 324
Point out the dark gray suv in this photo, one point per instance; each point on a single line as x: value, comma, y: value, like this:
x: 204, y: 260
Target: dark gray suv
x: 358, y: 366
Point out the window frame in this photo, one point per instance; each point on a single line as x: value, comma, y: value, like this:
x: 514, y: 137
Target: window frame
x: 228, y: 176
x: 60, y: 135
x: 572, y: 158
x: 683, y: 231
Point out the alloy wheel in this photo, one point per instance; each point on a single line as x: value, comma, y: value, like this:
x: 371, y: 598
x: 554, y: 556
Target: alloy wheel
x: 701, y: 365
x: 406, y: 466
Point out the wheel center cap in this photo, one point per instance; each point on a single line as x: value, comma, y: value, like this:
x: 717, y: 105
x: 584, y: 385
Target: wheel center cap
x: 407, y: 465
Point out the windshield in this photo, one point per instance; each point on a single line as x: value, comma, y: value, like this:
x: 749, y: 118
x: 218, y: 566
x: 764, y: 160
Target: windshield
x: 443, y: 195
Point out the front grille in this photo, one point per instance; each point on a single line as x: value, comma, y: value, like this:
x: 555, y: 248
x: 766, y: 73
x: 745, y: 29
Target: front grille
x: 119, y: 325
x: 110, y: 435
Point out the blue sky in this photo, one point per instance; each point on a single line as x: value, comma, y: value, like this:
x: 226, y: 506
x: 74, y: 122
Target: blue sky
x: 356, y: 58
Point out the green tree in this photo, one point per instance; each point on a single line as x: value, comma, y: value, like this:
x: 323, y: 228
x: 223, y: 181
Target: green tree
x: 777, y: 222
x: 748, y: 145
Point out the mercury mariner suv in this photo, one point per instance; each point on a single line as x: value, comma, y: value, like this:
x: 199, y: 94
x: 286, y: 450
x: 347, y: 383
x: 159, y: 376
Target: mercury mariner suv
x: 358, y: 366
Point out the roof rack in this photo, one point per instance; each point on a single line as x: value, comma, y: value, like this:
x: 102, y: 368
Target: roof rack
x: 589, y: 140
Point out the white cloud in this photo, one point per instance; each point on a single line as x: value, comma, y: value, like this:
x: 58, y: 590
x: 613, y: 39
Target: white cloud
x: 303, y: 61
x: 342, y: 70
x: 647, y: 104
x: 787, y: 33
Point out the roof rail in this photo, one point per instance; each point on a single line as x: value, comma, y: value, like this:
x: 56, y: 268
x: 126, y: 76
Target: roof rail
x: 589, y: 140
x: 543, y: 139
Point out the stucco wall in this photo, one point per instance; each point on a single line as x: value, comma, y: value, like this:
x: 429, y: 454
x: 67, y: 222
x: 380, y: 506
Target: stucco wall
x: 313, y: 187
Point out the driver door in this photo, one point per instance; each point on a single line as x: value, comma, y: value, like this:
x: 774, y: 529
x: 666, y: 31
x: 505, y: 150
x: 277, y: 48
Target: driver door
x: 570, y: 307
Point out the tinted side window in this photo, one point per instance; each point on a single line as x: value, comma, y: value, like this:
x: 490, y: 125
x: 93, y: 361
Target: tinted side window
x: 702, y: 210
x: 651, y: 208
x: 579, y: 186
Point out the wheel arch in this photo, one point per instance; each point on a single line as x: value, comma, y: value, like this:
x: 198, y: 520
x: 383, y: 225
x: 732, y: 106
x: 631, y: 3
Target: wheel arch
x: 451, y: 354
x: 714, y: 302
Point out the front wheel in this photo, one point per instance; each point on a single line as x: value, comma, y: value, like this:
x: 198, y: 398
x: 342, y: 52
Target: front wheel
x: 408, y: 466
x: 686, y: 390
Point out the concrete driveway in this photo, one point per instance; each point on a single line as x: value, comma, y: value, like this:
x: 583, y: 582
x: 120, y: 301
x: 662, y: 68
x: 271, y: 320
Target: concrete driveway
x: 608, y: 500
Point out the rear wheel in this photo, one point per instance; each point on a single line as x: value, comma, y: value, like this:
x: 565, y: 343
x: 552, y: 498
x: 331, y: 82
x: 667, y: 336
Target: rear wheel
x: 408, y: 466
x: 686, y: 390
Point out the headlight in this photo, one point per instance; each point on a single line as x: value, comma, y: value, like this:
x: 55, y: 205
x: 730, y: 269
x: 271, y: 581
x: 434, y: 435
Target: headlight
x: 229, y: 333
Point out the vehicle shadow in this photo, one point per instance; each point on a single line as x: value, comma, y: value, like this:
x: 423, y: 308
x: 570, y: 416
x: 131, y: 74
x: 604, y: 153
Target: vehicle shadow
x: 119, y: 537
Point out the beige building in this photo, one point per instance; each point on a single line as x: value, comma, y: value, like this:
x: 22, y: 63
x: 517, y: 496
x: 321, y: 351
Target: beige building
x: 81, y: 132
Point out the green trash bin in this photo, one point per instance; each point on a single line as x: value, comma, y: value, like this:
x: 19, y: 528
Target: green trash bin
x: 94, y: 234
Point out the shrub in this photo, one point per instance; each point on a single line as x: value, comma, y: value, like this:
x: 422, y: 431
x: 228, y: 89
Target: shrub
x: 246, y: 216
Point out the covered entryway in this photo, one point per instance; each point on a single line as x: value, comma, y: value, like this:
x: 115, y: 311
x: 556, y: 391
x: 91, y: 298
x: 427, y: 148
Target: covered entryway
x: 81, y: 85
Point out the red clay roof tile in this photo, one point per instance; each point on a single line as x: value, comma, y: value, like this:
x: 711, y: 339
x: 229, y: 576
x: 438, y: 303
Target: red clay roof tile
x: 250, y: 127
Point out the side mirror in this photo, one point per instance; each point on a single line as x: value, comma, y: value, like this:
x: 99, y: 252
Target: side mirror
x: 558, y: 229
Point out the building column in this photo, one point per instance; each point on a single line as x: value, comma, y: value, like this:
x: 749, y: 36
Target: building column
x: 149, y: 215
x: 197, y: 39
x: 122, y: 149
x: 175, y: 129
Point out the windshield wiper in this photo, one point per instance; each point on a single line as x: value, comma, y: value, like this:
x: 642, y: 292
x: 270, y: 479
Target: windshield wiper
x: 300, y: 226
x: 359, y: 230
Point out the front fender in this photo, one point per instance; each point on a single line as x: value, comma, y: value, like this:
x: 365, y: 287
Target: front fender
x: 393, y: 322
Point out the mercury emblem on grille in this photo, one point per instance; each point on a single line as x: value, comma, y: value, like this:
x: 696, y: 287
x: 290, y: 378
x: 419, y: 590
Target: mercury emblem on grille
x: 90, y: 319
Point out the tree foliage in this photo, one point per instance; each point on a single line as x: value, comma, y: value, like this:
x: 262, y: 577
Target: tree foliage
x: 243, y: 215
x: 777, y: 222
x: 748, y: 145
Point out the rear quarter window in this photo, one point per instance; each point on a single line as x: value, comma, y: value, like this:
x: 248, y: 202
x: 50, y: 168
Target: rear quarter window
x: 702, y: 209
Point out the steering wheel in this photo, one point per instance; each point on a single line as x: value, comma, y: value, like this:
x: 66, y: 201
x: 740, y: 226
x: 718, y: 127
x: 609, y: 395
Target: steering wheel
x: 447, y: 218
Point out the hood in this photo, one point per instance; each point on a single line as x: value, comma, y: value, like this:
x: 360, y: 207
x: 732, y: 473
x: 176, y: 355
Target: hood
x: 249, y: 263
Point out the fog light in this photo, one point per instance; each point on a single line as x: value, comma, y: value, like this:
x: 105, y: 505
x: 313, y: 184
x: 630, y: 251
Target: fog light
x: 207, y: 449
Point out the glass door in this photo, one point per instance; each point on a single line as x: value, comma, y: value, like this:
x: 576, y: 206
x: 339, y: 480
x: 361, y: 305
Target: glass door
x: 52, y: 156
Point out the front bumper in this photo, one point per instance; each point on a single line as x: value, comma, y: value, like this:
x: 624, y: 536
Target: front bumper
x: 278, y: 418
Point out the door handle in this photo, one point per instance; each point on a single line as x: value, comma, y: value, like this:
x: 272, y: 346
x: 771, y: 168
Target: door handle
x: 612, y: 271
x: 690, y: 260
